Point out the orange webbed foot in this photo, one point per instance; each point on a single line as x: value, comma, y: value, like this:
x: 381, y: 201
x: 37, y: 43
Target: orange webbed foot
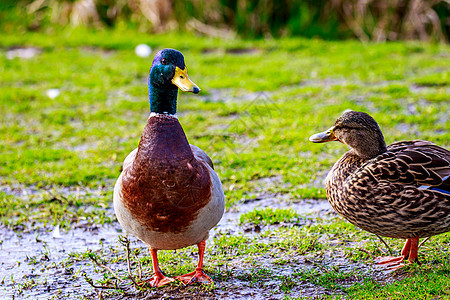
x: 389, y: 260
x: 158, y: 278
x: 409, y: 251
x: 157, y: 281
x: 198, y: 276
x: 390, y: 263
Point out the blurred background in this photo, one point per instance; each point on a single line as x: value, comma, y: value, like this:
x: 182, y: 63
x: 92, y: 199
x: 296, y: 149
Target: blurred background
x: 366, y: 20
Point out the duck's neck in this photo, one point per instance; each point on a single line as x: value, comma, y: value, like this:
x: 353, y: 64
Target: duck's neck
x: 162, y: 100
x: 370, y: 145
x: 368, y: 151
x: 346, y: 166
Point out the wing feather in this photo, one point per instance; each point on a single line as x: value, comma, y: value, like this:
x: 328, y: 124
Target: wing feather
x: 413, y: 163
x: 129, y: 159
x: 202, y: 156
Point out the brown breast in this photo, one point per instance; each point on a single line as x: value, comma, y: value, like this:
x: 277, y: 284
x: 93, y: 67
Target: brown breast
x: 166, y: 186
x: 341, y: 170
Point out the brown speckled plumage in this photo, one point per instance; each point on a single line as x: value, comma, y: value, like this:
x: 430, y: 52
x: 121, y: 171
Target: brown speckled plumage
x: 383, y: 195
x: 392, y: 193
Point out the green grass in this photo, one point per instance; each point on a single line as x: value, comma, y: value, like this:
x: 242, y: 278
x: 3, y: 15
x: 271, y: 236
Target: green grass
x: 254, y: 115
x: 428, y: 283
x: 268, y: 216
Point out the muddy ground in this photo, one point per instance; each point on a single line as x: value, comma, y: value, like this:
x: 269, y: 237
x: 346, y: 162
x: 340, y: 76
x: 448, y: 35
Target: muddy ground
x: 46, y: 263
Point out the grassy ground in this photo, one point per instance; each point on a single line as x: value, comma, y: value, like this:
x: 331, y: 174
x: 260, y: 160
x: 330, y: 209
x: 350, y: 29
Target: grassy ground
x: 260, y: 102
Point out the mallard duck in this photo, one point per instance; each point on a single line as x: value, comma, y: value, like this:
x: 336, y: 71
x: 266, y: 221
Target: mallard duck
x: 168, y: 194
x: 399, y: 191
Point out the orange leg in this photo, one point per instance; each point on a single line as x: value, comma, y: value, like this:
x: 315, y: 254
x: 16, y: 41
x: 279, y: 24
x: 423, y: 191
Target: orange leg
x: 198, y: 275
x: 413, y: 251
x: 158, y: 278
x: 410, y: 250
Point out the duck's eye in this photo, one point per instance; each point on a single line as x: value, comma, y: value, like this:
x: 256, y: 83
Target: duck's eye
x: 181, y: 76
x: 163, y: 61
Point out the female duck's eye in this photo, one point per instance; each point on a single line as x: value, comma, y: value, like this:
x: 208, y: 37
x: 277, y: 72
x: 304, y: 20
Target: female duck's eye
x: 163, y: 61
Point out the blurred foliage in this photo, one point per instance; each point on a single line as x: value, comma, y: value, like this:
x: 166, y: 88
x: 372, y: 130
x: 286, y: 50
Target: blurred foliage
x: 376, y: 20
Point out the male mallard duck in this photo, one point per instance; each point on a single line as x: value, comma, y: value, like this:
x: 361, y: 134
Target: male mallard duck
x: 168, y: 194
x: 400, y: 191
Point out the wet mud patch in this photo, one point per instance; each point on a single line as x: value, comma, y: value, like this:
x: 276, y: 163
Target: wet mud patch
x: 32, y: 263
x: 235, y: 96
x: 303, y: 276
x: 22, y: 52
x: 31, y: 208
x: 92, y: 50
x: 232, y: 51
x: 27, y: 190
x: 58, y: 263
x: 277, y: 260
x: 307, y: 209
x: 241, y: 51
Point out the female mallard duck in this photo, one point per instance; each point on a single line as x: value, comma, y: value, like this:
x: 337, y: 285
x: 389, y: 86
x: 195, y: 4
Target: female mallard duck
x: 400, y: 191
x: 168, y: 194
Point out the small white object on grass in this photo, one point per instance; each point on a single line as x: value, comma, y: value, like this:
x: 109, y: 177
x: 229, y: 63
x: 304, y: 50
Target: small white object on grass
x: 143, y: 50
x: 52, y: 93
x: 56, y: 234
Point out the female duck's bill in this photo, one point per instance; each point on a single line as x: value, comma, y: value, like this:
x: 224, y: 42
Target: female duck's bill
x: 323, y: 137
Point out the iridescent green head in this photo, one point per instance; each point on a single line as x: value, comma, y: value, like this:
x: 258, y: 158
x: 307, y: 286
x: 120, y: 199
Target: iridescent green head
x: 168, y: 73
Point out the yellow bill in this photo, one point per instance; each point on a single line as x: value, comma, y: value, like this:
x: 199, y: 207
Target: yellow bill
x: 181, y: 80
